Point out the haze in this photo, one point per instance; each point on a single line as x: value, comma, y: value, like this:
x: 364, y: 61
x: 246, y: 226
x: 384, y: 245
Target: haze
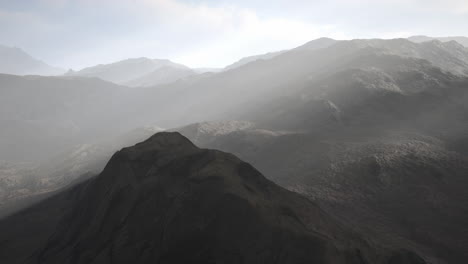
x: 247, y: 132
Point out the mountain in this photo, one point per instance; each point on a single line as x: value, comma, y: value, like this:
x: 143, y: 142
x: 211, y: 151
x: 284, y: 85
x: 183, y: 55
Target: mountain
x: 162, y: 75
x: 449, y: 56
x: 165, y: 200
x: 407, y: 92
x: 311, y: 45
x: 249, y: 59
x: 283, y: 89
x: 396, y: 187
x: 236, y: 94
x: 293, y: 87
x: 16, y: 61
x: 125, y: 71
x: 418, y: 39
x: 376, y: 136
x: 319, y: 43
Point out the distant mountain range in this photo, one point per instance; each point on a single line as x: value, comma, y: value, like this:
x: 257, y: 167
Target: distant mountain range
x: 163, y: 75
x: 419, y: 39
x: 144, y: 71
x: 16, y: 61
x: 136, y: 72
x: 352, y: 70
x: 372, y: 131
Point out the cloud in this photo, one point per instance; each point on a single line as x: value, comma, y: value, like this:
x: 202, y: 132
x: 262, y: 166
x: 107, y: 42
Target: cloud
x: 449, y: 6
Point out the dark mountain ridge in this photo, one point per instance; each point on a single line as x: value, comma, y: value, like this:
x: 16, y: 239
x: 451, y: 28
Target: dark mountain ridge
x: 395, y: 186
x: 165, y: 200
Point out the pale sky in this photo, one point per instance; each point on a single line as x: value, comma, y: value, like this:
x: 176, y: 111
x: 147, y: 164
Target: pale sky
x: 80, y: 33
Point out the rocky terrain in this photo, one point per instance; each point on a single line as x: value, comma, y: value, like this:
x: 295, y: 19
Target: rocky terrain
x: 401, y: 187
x: 165, y: 200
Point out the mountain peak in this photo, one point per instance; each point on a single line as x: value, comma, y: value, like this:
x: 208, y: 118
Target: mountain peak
x: 166, y: 201
x: 162, y: 142
x: 128, y: 70
x: 317, y: 44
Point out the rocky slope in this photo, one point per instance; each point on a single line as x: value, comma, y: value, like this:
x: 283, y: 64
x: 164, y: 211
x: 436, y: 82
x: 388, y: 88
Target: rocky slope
x: 165, y: 200
x: 395, y: 186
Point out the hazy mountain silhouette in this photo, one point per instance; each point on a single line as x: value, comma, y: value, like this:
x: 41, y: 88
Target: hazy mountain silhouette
x: 225, y: 95
x: 235, y: 94
x: 126, y: 71
x: 311, y: 45
x: 250, y: 59
x: 460, y: 39
x: 316, y: 44
x: 15, y: 61
x: 165, y: 200
x: 291, y: 91
x: 162, y: 75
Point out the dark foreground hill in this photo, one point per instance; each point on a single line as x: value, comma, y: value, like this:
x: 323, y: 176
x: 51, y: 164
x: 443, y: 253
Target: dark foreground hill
x: 167, y: 201
x: 399, y: 187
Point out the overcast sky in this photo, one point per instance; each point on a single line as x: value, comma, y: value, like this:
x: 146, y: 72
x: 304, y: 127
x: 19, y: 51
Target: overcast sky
x: 80, y: 33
